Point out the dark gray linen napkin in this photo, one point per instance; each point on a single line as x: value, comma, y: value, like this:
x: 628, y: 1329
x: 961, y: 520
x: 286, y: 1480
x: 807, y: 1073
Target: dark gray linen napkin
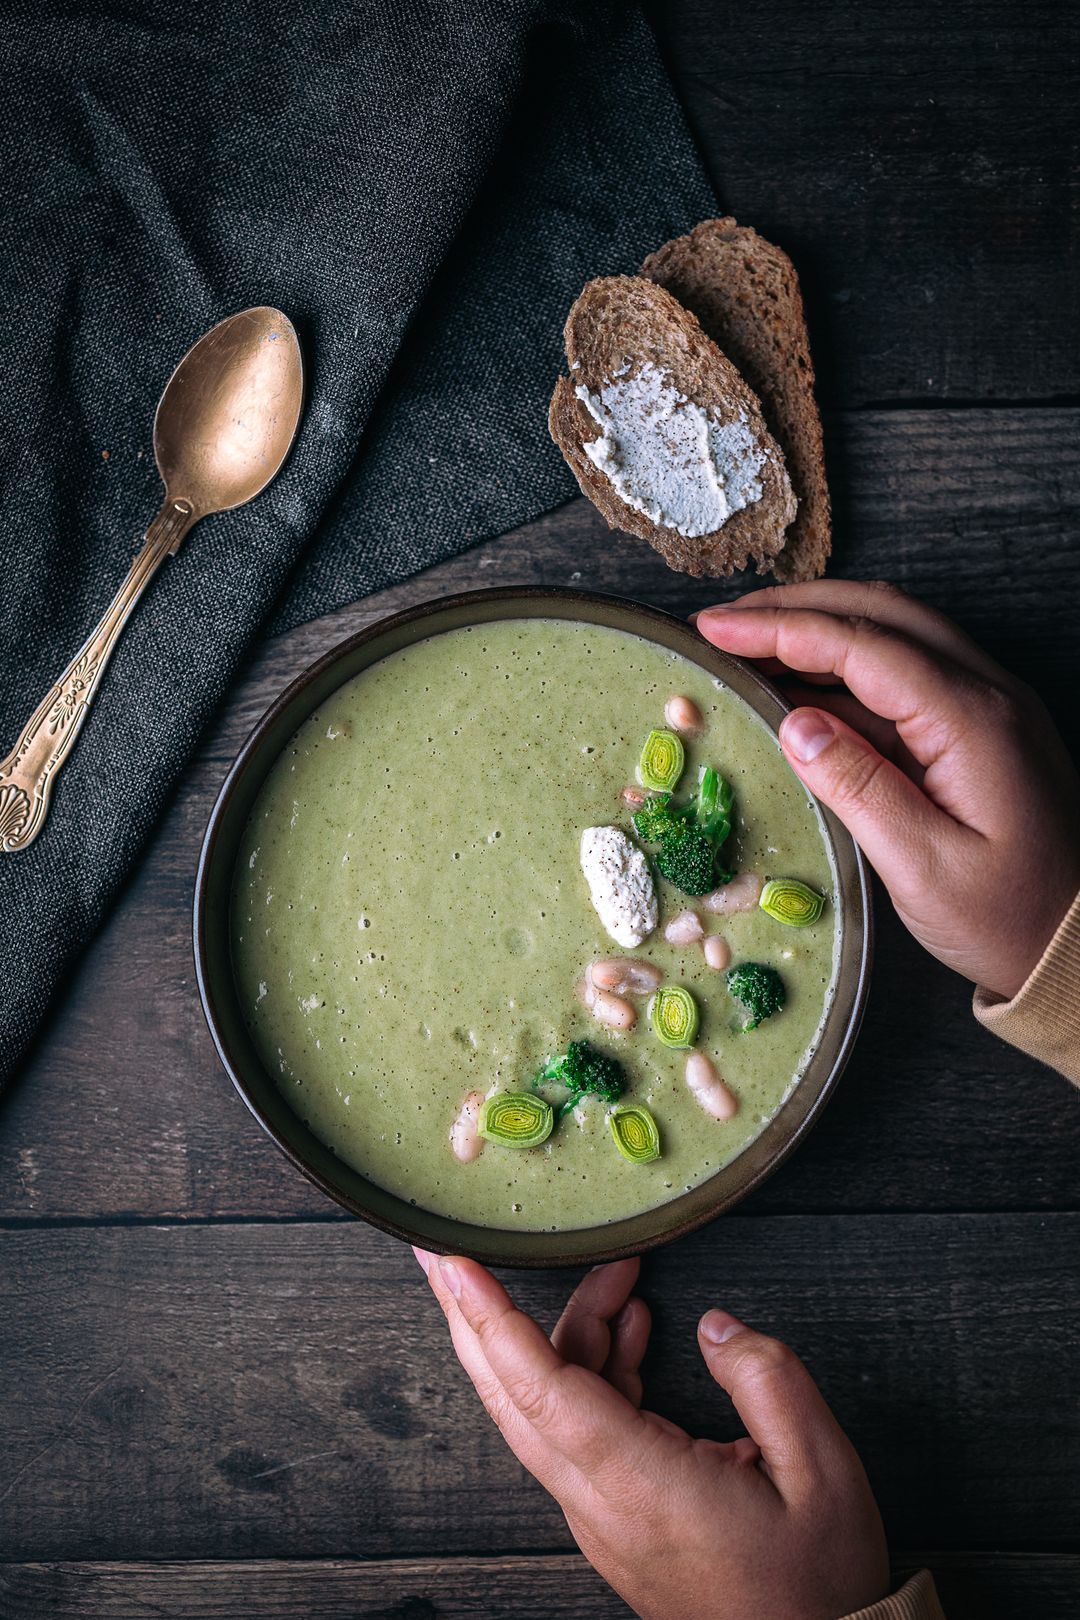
x: 423, y: 188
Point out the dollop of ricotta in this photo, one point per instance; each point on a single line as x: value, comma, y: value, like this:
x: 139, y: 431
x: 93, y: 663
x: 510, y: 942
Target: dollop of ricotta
x: 667, y: 457
x: 620, y: 884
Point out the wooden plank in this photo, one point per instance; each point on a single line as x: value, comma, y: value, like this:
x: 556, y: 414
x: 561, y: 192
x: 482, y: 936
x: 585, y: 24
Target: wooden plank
x: 1001, y: 1585
x: 123, y: 1110
x: 920, y: 165
x: 255, y: 1391
x: 982, y: 1586
x: 404, y: 1589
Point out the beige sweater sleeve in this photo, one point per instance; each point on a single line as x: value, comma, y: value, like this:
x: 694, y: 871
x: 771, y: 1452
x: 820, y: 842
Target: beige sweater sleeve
x: 1043, y: 1018
x: 916, y: 1600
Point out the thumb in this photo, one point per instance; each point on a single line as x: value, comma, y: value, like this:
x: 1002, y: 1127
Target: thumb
x: 784, y: 1411
x: 891, y: 819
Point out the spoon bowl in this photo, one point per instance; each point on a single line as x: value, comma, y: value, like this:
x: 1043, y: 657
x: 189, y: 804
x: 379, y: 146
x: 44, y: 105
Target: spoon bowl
x: 229, y: 411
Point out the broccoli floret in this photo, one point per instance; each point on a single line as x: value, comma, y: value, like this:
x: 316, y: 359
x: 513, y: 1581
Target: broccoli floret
x: 689, y: 862
x: 690, y: 835
x: 656, y: 821
x: 584, y: 1071
x: 758, y: 989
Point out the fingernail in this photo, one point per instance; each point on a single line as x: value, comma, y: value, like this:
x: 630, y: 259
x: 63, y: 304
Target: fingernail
x: 451, y: 1276
x: 423, y: 1259
x: 704, y: 620
x: 806, y: 734
x: 719, y: 1326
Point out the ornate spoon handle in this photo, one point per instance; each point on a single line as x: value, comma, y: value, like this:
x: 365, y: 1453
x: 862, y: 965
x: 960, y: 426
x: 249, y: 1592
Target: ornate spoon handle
x: 27, y: 774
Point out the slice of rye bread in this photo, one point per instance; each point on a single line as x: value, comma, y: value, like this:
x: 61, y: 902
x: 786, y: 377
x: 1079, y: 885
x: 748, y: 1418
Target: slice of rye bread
x: 745, y: 293
x: 627, y: 319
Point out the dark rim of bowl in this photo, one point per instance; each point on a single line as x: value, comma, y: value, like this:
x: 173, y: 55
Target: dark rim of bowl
x: 543, y: 1247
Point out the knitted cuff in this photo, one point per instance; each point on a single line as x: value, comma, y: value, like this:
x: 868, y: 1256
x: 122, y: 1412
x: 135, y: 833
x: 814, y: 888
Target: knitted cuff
x: 917, y: 1599
x: 1043, y: 1018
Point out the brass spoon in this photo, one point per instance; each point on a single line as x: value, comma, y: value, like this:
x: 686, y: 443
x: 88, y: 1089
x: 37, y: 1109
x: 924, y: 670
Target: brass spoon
x: 224, y: 425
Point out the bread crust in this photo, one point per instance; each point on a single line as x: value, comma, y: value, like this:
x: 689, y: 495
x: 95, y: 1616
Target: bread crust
x: 745, y: 293
x: 632, y: 318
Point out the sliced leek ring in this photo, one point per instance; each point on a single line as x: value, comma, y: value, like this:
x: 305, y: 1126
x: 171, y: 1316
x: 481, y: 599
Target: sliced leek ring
x: 673, y: 1016
x: 636, y: 1133
x: 662, y: 761
x: 516, y: 1119
x: 792, y: 902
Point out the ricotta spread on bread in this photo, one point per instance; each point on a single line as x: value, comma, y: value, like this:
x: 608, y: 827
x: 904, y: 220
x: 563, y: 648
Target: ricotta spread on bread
x: 681, y: 466
x: 620, y: 884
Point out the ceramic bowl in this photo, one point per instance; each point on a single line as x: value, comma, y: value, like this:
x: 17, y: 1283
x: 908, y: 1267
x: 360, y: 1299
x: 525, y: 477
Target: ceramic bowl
x: 316, y: 1161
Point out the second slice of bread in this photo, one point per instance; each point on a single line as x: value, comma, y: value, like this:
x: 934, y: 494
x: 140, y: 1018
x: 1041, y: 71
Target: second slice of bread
x: 616, y: 326
x: 746, y: 295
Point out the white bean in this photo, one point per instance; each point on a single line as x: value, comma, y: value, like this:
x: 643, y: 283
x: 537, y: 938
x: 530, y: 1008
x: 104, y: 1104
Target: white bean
x: 683, y: 929
x: 741, y: 894
x: 465, y: 1138
x: 682, y: 714
x: 709, y: 1090
x: 717, y: 952
x: 633, y: 797
x: 625, y: 975
x: 585, y: 990
x: 613, y: 1010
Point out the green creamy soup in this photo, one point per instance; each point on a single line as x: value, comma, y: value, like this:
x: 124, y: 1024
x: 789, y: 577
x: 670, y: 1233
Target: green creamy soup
x: 410, y: 918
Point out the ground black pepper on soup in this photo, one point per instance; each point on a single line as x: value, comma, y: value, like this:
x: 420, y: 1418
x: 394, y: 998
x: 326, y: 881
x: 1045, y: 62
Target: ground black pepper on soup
x: 412, y: 929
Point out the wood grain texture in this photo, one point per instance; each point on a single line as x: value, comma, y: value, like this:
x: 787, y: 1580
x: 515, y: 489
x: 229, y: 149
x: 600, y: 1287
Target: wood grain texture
x: 975, y: 1586
x: 919, y: 163
x: 220, y: 1392
x: 337, y: 1589
x: 1000, y: 1585
x: 976, y: 511
x: 267, y: 1395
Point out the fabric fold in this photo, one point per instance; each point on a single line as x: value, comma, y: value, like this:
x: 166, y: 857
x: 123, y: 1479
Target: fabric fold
x: 423, y: 191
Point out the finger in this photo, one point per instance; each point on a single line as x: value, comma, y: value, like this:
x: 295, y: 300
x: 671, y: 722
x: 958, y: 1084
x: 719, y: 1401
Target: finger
x: 785, y: 1413
x: 881, y: 734
x: 549, y: 1467
x: 465, y: 1342
x: 884, y: 604
x: 779, y: 672
x: 575, y: 1411
x: 582, y: 1333
x: 629, y: 1340
x: 894, y: 676
x: 556, y: 1472
x: 469, y: 1351
x: 823, y: 692
x: 894, y: 823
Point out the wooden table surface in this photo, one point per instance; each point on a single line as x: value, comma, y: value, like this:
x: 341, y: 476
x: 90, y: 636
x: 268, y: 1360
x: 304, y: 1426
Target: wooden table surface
x: 223, y: 1397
